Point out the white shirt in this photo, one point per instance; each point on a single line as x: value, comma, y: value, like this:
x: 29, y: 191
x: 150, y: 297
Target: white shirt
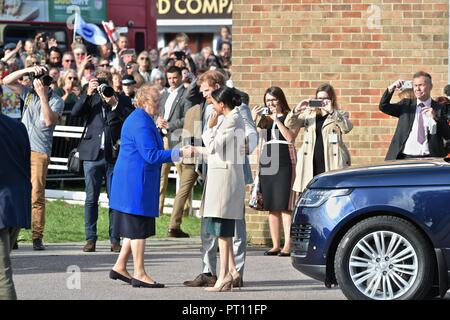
x: 412, y: 146
x: 102, y: 143
x: 173, y: 93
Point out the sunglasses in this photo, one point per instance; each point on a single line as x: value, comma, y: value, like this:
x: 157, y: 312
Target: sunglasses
x: 72, y: 78
x: 69, y: 60
x: 80, y: 54
x: 144, y: 58
x: 104, y: 65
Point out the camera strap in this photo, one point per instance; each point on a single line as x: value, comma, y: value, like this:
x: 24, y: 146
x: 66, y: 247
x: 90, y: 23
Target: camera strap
x: 27, y: 101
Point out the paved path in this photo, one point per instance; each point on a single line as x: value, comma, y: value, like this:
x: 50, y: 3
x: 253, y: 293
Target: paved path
x: 44, y: 275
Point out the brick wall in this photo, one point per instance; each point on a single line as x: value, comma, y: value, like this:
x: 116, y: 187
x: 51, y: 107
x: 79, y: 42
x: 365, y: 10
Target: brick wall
x: 359, y: 46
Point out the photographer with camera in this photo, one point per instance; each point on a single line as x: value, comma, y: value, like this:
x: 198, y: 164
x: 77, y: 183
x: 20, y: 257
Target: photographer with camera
x: 105, y: 112
x: 323, y: 148
x: 41, y: 112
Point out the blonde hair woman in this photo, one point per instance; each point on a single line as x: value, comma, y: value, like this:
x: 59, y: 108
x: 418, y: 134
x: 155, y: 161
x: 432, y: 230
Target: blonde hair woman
x: 66, y: 85
x: 134, y: 198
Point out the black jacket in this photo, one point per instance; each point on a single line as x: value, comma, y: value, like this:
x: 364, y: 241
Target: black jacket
x: 91, y: 107
x: 405, y: 110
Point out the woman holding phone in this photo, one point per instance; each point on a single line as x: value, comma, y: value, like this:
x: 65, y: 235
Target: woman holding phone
x: 277, y: 167
x: 323, y: 148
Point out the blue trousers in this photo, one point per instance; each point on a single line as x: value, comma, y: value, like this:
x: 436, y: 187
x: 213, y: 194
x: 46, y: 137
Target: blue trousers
x: 94, y: 173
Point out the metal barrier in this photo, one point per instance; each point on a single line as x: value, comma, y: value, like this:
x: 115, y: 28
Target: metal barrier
x: 65, y: 138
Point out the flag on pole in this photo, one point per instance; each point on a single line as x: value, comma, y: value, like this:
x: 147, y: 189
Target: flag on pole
x: 111, y: 31
x: 89, y: 31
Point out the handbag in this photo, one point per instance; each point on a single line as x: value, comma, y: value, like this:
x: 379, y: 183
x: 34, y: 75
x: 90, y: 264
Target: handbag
x: 256, y: 200
x: 74, y: 163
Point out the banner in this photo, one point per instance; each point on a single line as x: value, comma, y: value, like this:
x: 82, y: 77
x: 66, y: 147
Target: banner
x: 92, y: 11
x: 89, y: 31
x: 194, y: 9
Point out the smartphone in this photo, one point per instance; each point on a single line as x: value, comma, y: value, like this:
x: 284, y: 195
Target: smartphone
x: 407, y: 85
x: 265, y: 111
x: 315, y: 103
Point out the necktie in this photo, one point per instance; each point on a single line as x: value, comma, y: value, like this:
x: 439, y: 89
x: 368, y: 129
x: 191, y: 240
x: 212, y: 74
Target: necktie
x: 421, y: 128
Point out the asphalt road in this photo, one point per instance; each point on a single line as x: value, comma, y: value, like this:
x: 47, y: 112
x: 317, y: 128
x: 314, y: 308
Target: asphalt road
x: 64, y: 272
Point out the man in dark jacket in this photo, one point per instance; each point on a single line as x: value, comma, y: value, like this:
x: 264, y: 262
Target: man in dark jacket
x: 15, y: 195
x: 422, y: 125
x: 105, y: 113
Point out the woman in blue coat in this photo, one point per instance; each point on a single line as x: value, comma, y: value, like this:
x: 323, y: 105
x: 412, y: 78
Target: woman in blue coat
x: 134, y: 198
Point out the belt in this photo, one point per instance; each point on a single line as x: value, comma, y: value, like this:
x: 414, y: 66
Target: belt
x: 408, y: 156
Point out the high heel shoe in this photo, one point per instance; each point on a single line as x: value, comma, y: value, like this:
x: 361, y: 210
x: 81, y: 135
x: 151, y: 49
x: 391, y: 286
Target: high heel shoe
x: 114, y: 275
x: 226, y: 285
x: 237, y: 280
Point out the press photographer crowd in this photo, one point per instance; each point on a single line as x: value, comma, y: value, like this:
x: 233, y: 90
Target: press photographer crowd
x: 146, y: 112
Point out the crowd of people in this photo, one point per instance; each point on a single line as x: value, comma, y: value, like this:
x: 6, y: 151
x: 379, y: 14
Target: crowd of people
x: 145, y: 112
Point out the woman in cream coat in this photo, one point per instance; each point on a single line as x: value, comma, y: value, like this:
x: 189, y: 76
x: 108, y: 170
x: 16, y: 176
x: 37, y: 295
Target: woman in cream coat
x: 323, y: 148
x: 224, y: 193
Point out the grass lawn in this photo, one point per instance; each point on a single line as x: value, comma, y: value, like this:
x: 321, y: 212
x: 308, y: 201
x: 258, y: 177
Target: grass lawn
x: 65, y: 223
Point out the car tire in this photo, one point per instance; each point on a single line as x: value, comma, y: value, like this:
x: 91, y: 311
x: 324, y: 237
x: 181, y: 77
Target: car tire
x: 390, y: 275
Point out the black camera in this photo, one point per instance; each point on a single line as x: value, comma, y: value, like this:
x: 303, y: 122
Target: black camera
x: 180, y: 55
x: 44, y: 77
x: 104, y: 89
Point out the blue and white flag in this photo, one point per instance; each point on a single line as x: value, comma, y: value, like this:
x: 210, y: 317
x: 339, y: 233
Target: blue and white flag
x: 89, y: 31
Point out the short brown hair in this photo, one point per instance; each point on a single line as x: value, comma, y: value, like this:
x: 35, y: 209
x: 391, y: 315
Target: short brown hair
x: 147, y: 94
x: 424, y: 74
x: 212, y: 77
x: 105, y: 74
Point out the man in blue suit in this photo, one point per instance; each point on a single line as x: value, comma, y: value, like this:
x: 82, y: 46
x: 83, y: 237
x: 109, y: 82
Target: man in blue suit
x: 15, y: 195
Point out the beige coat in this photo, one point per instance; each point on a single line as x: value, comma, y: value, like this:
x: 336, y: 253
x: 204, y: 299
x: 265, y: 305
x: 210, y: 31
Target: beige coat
x: 224, y: 193
x: 336, y: 154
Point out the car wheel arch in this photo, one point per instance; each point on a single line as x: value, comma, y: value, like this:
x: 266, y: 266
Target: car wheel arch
x: 347, y: 225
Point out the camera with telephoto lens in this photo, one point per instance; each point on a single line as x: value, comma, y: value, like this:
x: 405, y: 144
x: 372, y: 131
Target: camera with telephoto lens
x: 104, y: 89
x: 44, y: 77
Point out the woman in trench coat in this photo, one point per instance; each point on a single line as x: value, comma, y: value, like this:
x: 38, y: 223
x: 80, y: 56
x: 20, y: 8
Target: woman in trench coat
x: 224, y: 193
x: 322, y: 149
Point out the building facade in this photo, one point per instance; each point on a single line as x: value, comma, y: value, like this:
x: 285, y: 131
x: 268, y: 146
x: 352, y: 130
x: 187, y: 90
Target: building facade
x: 358, y: 46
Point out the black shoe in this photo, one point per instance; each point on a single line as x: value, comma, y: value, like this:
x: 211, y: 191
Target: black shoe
x: 115, y: 247
x: 202, y: 280
x: 284, y: 254
x: 38, y: 245
x: 117, y: 276
x: 177, y: 233
x: 89, y: 246
x: 272, y: 253
x: 141, y: 284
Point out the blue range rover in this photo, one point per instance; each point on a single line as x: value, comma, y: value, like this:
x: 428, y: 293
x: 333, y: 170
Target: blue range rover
x: 380, y: 232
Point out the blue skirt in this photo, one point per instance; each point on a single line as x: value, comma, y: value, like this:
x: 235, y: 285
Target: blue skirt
x: 218, y: 227
x: 132, y: 226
